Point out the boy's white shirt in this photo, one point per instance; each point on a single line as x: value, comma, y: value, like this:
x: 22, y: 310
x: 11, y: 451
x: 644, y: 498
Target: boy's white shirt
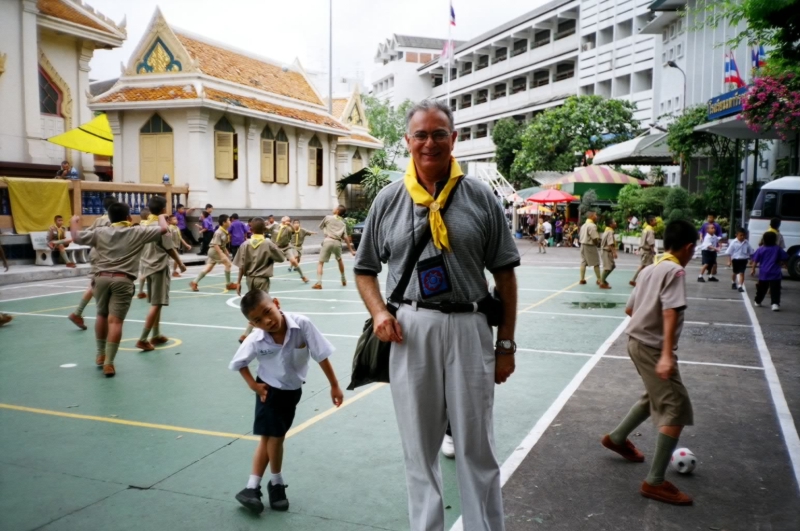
x: 548, y: 227
x: 740, y: 250
x: 284, y: 366
x: 709, y: 242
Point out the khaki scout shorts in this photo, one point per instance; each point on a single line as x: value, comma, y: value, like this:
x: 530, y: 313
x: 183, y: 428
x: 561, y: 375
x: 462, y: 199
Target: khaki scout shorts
x: 299, y: 252
x: 589, y: 256
x: 158, y: 288
x: 646, y: 258
x: 289, y: 253
x: 113, y: 295
x: 254, y: 283
x: 330, y: 247
x: 668, y: 400
x: 214, y: 258
x: 608, y: 261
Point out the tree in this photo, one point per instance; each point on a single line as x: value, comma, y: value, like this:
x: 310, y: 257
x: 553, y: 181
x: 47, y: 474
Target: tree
x: 657, y: 176
x: 389, y: 126
x: 588, y: 199
x: 677, y: 205
x: 507, y: 137
x: 636, y: 173
x: 375, y: 180
x: 559, y: 138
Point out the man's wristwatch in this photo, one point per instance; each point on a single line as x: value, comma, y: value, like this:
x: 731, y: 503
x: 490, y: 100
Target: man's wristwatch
x: 507, y: 345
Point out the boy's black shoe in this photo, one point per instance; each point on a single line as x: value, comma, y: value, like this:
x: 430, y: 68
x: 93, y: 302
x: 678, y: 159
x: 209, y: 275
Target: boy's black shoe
x: 741, y: 290
x: 713, y: 279
x: 277, y: 497
x: 701, y: 279
x: 733, y: 286
x: 251, y: 498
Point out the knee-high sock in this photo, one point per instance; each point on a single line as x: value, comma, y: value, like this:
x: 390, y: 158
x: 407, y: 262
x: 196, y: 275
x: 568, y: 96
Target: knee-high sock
x: 597, y: 272
x: 200, y: 277
x: 64, y: 256
x: 111, y: 352
x: 101, y: 347
x: 248, y: 329
x: 606, y: 272
x: 638, y: 414
x: 227, y: 277
x: 583, y: 271
x: 156, y: 331
x: 665, y: 445
x: 81, y: 306
x: 299, y: 271
x: 145, y: 333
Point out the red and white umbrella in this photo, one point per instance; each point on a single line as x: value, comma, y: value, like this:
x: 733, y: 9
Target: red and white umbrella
x: 551, y: 196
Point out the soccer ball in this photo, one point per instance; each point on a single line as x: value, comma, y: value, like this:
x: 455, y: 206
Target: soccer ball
x: 683, y: 460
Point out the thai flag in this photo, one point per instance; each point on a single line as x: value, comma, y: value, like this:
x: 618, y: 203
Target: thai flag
x: 759, y: 57
x: 732, y: 71
x: 452, y: 14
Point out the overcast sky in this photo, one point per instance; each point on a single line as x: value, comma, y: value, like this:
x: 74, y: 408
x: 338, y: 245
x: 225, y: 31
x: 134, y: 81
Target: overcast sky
x: 283, y: 30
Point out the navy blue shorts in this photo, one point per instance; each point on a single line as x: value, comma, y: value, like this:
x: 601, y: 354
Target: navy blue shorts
x: 739, y: 265
x: 274, y: 417
x: 709, y: 258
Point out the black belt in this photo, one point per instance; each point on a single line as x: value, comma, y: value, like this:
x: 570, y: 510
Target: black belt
x: 445, y: 307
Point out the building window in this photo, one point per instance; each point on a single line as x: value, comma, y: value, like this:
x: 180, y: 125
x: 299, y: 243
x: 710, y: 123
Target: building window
x: 482, y: 131
x: 500, y: 55
x: 680, y: 26
x: 412, y: 57
x: 541, y: 38
x: 680, y: 50
x: 466, y: 101
x: 519, y: 84
x: 483, y: 62
x: 565, y: 71
x: 399, y: 55
x: 672, y: 31
x: 499, y: 91
x: 565, y: 29
x: 520, y: 47
x: 541, y: 78
x: 156, y: 147
x: 358, y: 162
x: 424, y: 58
x: 466, y: 134
x: 281, y: 158
x: 267, y: 156
x: 454, y: 73
x: 316, y: 163
x: 672, y: 54
x: 155, y: 125
x: 665, y: 35
x: 483, y: 96
x: 225, y: 151
x: 49, y: 96
x: 466, y: 68
x: 437, y: 81
x: 664, y: 58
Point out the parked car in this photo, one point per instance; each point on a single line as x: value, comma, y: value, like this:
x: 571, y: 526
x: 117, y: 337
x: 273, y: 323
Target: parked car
x: 779, y: 198
x: 358, y: 230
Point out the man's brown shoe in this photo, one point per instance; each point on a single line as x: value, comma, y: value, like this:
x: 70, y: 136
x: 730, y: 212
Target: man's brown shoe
x: 605, y: 285
x: 71, y: 265
x: 317, y: 286
x: 5, y: 318
x: 626, y: 449
x: 144, y: 346
x: 193, y: 286
x: 231, y: 286
x: 159, y: 340
x: 582, y: 282
x: 100, y: 360
x: 77, y: 320
x: 141, y: 295
x: 108, y: 370
x: 666, y: 492
x: 632, y: 283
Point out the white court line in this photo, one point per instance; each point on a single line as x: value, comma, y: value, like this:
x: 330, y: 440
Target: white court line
x: 33, y: 285
x: 684, y: 362
x: 561, y: 352
x: 785, y: 418
x: 626, y: 295
x: 272, y: 293
x: 40, y: 296
x: 578, y: 315
x: 701, y: 323
x: 523, y: 449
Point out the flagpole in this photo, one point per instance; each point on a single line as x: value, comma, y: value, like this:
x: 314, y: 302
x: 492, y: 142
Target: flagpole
x: 330, y: 56
x: 449, y: 52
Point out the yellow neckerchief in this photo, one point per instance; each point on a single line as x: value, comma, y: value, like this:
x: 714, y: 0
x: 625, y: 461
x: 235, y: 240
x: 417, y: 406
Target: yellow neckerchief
x: 150, y: 220
x: 280, y: 231
x: 256, y: 240
x: 420, y: 196
x: 608, y: 229
x: 297, y: 237
x: 776, y: 231
x: 590, y: 220
x: 173, y: 228
x: 667, y: 257
x: 61, y: 232
x: 223, y: 230
x: 122, y: 224
x: 646, y: 227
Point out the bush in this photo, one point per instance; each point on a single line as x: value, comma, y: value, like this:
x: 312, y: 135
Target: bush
x: 677, y: 205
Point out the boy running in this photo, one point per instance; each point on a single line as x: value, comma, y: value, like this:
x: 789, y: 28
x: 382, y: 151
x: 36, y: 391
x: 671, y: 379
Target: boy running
x: 770, y: 258
x: 57, y: 240
x: 155, y: 266
x: 178, y: 243
x: 283, y: 239
x: 283, y: 344
x: 656, y: 310
x: 217, y: 254
x: 335, y: 230
x: 118, y: 249
x: 254, y: 260
x: 739, y: 252
x: 709, y: 249
x: 589, y: 240
x: 299, y: 238
x: 144, y: 213
x: 608, y: 248
x: 647, y: 247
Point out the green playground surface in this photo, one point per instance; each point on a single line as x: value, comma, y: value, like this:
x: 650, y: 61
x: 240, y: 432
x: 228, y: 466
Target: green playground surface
x: 167, y: 443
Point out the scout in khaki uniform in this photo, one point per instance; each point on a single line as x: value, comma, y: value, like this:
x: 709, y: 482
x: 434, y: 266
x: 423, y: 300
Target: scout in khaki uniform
x: 299, y: 238
x: 335, y: 230
x: 155, y: 266
x: 647, y: 247
x: 608, y: 247
x: 118, y: 248
x: 282, y: 237
x: 143, y: 215
x: 57, y: 239
x: 102, y: 221
x: 254, y: 260
x: 177, y: 243
x: 218, y: 254
x: 589, y: 239
x: 656, y: 308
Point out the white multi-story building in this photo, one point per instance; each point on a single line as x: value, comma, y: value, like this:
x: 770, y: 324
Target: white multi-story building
x: 396, y: 80
x: 616, y: 61
x: 515, y: 70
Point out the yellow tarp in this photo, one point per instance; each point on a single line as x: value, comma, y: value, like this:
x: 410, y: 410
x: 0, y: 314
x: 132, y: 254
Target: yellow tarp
x: 91, y: 137
x: 35, y: 202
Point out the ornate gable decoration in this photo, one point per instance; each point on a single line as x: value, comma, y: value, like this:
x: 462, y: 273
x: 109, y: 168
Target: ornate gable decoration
x: 158, y: 60
x: 355, y: 116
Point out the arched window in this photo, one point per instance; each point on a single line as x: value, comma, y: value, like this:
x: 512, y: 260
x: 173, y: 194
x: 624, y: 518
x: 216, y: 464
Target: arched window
x: 225, y: 150
x: 156, y: 151
x: 281, y: 158
x: 267, y: 156
x: 49, y: 96
x: 315, y: 162
x: 51, y: 116
x: 358, y: 162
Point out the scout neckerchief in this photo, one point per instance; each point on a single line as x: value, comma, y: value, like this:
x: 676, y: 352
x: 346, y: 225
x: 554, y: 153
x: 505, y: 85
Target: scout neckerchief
x: 280, y: 231
x: 256, y: 240
x: 121, y: 224
x: 297, y: 237
x: 646, y: 227
x: 608, y: 229
x: 590, y: 220
x: 667, y: 257
x: 150, y: 220
x: 776, y: 231
x: 61, y: 232
x: 420, y: 196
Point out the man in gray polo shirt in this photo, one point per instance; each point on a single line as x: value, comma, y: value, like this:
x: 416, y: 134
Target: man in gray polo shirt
x: 444, y: 362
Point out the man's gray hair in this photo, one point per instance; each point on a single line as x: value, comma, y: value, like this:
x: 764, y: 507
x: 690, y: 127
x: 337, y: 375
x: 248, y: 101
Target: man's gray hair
x: 430, y: 105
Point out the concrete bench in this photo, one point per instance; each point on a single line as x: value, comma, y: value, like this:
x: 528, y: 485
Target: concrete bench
x: 78, y: 254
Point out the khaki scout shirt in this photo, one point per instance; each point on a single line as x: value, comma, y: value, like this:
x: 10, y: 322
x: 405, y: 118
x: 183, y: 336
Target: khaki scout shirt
x: 300, y: 237
x: 647, y: 242
x: 271, y: 228
x: 102, y: 221
x: 176, y: 237
x: 220, y: 238
x: 334, y: 227
x: 588, y: 234
x: 607, y: 242
x: 154, y: 255
x: 256, y: 257
x: 283, y: 236
x: 659, y: 287
x: 56, y: 233
x: 118, y: 248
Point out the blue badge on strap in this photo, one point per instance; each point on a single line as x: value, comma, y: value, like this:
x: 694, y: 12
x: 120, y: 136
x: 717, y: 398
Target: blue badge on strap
x: 433, y: 277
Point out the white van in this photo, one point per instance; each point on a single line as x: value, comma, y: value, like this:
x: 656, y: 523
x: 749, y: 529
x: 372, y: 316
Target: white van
x: 779, y: 198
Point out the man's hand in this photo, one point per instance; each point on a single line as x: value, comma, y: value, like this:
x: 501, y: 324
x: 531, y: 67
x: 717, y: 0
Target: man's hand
x: 337, y: 395
x: 503, y: 367
x: 239, y: 289
x: 387, y: 328
x: 187, y: 246
x: 182, y: 267
x: 352, y: 252
x: 261, y: 390
x: 665, y: 366
x: 51, y: 245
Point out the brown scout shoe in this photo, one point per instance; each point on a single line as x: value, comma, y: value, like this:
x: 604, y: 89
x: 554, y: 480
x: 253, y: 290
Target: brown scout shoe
x: 176, y: 274
x: 304, y: 279
x: 344, y: 282
x: 626, y: 450
x: 605, y: 285
x: 632, y: 283
x: 159, y: 340
x: 145, y: 346
x: 71, y: 265
x: 77, y: 321
x: 108, y: 370
x: 193, y: 286
x: 317, y: 286
x: 5, y: 318
x: 666, y: 492
x: 582, y: 282
x: 231, y: 286
x: 100, y: 360
x: 141, y: 295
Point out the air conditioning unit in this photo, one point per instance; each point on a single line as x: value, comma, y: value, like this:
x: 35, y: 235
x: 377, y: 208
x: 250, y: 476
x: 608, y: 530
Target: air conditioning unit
x: 589, y: 45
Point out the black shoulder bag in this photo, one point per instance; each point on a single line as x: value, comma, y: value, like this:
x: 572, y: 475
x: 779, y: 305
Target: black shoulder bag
x: 371, y: 359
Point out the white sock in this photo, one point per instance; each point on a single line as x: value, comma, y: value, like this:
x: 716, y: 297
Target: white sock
x: 254, y: 482
x: 277, y: 479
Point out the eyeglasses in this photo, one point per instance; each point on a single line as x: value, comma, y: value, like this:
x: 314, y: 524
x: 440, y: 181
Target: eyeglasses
x: 437, y: 136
